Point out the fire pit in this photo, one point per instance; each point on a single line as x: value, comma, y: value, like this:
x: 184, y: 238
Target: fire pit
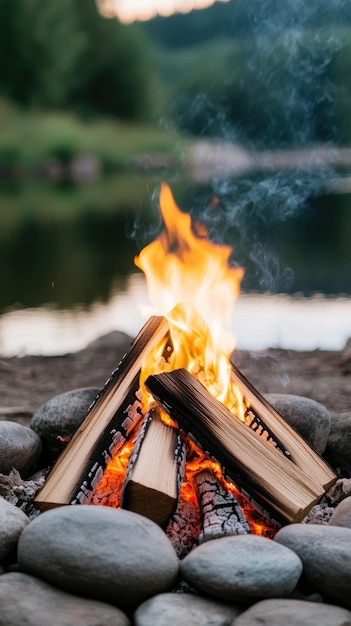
x: 178, y: 433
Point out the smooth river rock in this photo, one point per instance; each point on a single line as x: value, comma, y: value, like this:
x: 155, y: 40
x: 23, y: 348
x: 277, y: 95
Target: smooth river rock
x: 184, y: 608
x: 12, y: 522
x: 309, y: 418
x: 25, y: 600
x: 61, y: 416
x: 325, y: 552
x: 242, y: 567
x: 20, y: 448
x: 107, y: 554
x: 280, y: 612
x: 338, y: 450
x: 342, y: 514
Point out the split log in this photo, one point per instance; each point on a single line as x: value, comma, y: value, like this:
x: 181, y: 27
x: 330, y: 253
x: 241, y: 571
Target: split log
x: 276, y: 485
x: 155, y: 470
x: 108, y: 425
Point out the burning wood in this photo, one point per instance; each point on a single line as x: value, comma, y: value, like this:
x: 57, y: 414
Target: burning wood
x: 220, y: 511
x: 259, y: 469
x: 108, y: 426
x: 155, y: 470
x: 182, y: 361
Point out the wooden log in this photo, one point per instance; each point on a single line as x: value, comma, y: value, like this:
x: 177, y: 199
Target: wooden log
x: 155, y: 470
x: 220, y: 512
x: 107, y: 426
x: 272, y: 482
x: 184, y: 526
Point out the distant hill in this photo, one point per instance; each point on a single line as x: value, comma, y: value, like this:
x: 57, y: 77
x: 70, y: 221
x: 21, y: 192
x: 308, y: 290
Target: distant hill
x: 242, y: 18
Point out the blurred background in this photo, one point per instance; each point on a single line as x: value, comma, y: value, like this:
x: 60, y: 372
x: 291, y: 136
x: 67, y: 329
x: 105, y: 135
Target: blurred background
x: 243, y: 107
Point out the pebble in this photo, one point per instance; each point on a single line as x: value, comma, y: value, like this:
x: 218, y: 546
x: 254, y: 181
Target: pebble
x: 325, y: 552
x: 107, y: 554
x: 61, y: 416
x: 20, y: 448
x: 342, y: 514
x: 280, y: 612
x: 338, y: 450
x: 309, y: 418
x: 242, y: 567
x: 12, y: 522
x: 27, y: 600
x: 184, y: 608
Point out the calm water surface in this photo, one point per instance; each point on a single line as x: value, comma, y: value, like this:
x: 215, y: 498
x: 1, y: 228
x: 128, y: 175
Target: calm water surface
x: 259, y: 321
x: 67, y: 274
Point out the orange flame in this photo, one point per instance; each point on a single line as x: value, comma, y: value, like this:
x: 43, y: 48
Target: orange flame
x: 187, y: 274
x: 183, y: 265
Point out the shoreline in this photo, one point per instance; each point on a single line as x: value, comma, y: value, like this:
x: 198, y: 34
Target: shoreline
x: 27, y: 382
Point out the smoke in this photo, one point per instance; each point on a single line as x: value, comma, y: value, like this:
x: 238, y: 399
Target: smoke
x: 279, y: 92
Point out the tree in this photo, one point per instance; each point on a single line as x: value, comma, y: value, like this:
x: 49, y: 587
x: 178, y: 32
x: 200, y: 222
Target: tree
x: 116, y: 74
x: 40, y: 48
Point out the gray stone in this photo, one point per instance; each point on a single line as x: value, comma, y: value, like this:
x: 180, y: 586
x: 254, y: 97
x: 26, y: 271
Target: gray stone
x: 107, y: 554
x: 27, y: 600
x: 325, y: 552
x: 293, y: 613
x: 184, y: 608
x: 342, y: 514
x: 241, y: 567
x: 20, y: 448
x: 61, y: 416
x: 12, y: 522
x: 116, y: 340
x: 309, y: 418
x: 338, y: 450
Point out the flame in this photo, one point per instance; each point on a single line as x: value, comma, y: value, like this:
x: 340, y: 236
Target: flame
x: 183, y: 265
x: 191, y: 282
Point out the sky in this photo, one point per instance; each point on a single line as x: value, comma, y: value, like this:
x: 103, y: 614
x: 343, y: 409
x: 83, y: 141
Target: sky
x: 129, y: 10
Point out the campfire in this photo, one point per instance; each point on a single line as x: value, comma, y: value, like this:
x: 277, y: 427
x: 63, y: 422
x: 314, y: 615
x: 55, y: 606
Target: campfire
x: 177, y: 433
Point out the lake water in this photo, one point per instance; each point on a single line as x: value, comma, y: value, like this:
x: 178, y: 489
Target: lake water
x: 260, y: 321
x: 67, y: 275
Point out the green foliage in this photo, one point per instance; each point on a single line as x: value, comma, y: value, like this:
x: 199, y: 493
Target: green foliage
x: 115, y: 76
x: 40, y: 47
x: 63, y: 54
x: 29, y: 138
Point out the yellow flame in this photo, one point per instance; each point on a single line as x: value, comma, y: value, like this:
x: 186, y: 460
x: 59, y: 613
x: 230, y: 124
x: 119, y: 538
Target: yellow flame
x: 183, y: 265
x: 190, y: 280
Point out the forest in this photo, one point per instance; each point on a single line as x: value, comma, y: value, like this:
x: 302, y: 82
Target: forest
x: 265, y: 73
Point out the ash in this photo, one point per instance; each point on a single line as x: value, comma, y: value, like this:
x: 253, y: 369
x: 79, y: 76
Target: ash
x: 21, y: 493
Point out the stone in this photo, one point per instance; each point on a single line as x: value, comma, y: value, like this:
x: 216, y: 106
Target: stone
x: 325, y: 552
x: 61, y: 416
x: 279, y: 612
x: 338, y: 450
x: 27, y: 600
x: 20, y: 448
x: 241, y: 567
x: 116, y: 340
x: 309, y: 418
x: 107, y: 554
x: 342, y: 514
x: 184, y: 608
x: 12, y: 522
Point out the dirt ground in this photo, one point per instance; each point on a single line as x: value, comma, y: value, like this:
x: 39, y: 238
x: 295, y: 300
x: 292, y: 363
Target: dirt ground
x: 27, y: 382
